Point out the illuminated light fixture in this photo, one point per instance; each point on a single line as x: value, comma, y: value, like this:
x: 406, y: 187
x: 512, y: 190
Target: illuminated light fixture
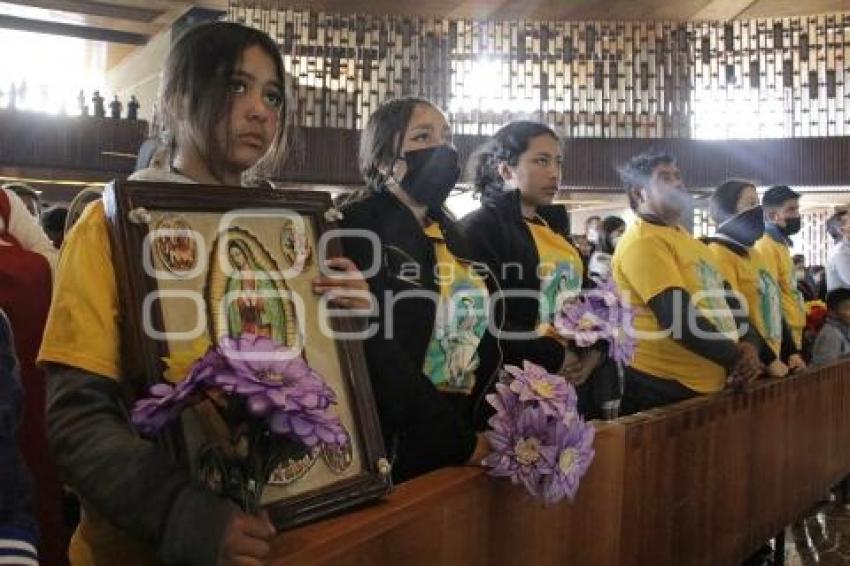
x: 474, y: 90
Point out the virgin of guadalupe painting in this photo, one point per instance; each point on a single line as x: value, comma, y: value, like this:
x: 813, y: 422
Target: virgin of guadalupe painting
x: 244, y: 294
x: 222, y: 282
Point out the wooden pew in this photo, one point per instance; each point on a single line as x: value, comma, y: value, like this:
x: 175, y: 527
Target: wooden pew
x: 706, y: 481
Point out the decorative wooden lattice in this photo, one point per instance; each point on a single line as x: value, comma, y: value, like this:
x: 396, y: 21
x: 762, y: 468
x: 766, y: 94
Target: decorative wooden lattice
x: 759, y: 78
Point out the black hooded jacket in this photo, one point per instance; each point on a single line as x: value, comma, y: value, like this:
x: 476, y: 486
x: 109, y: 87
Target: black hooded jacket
x: 499, y: 236
x: 424, y: 428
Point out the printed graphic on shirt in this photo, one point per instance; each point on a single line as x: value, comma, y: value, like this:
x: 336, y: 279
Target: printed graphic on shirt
x: 559, y: 269
x: 560, y: 283
x: 712, y: 302
x: 770, y: 307
x: 452, y: 356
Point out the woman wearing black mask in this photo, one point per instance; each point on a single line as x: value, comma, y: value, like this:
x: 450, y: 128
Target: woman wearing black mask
x: 430, y: 357
x: 734, y: 207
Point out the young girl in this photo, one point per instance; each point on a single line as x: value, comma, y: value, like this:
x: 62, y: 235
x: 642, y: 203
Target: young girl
x: 735, y: 209
x: 224, y: 113
x: 523, y: 240
x: 430, y: 356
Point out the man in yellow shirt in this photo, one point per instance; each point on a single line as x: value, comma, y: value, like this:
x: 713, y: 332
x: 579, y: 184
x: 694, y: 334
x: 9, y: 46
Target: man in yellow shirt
x: 687, y: 340
x: 782, y: 213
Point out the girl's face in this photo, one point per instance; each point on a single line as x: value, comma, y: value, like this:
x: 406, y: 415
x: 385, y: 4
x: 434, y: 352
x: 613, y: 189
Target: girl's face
x: 427, y: 128
x: 537, y: 172
x: 256, y: 99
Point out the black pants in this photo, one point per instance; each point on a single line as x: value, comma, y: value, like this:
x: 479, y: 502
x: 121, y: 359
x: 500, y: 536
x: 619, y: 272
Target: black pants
x: 643, y: 392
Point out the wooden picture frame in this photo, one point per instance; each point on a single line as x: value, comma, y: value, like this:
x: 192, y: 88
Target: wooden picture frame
x: 184, y: 228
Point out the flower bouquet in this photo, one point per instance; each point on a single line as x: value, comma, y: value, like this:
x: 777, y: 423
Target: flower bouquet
x: 275, y: 406
x: 537, y: 436
x: 599, y: 314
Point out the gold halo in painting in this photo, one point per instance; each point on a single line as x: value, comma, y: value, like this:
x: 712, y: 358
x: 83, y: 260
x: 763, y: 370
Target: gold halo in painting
x: 243, y: 274
x: 175, y: 246
x: 295, y: 243
x: 293, y: 468
x: 338, y: 458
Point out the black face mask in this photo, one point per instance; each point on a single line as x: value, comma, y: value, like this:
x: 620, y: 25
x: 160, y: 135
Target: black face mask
x: 792, y: 226
x: 431, y: 175
x: 745, y: 227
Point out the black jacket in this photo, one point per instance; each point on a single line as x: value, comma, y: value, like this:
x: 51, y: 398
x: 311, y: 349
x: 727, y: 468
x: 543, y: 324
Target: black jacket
x: 498, y: 236
x: 424, y: 429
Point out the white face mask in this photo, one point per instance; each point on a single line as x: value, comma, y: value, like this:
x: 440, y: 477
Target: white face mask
x: 592, y: 235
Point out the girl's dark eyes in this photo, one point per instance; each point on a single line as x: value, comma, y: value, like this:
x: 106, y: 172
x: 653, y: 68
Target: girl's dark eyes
x: 274, y: 99
x: 238, y: 87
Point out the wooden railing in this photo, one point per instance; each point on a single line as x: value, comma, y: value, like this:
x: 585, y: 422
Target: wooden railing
x: 706, y: 481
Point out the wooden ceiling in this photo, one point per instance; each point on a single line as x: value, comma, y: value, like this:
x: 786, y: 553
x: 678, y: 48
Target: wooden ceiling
x: 134, y: 21
x: 117, y: 21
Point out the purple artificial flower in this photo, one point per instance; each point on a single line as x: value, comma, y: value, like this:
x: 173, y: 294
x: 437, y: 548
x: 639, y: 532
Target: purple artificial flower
x: 534, y: 384
x: 281, y: 386
x: 275, y: 384
x: 582, y: 322
x: 600, y: 315
x: 573, y: 440
x: 522, y: 450
x: 166, y: 402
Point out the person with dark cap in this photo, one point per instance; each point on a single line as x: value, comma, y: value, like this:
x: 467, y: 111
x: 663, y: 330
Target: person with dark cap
x: 782, y: 215
x: 687, y: 337
x: 734, y: 208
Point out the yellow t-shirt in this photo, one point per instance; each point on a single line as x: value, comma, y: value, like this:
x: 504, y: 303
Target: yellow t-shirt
x: 452, y: 358
x: 750, y: 276
x: 649, y: 259
x: 83, y: 325
x: 559, y: 269
x: 778, y: 259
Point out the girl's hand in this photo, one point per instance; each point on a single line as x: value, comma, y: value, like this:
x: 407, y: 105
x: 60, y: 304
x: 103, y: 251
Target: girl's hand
x: 348, y: 290
x: 246, y: 540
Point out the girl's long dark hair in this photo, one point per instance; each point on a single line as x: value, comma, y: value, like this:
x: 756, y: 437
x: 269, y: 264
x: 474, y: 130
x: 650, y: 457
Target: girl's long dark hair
x: 506, y: 146
x: 196, y: 91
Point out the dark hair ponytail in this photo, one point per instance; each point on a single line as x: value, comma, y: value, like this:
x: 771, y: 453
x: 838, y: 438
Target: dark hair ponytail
x: 506, y: 146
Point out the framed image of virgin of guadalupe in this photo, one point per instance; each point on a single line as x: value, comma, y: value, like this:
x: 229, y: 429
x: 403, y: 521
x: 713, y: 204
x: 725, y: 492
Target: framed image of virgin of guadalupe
x: 235, y: 364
